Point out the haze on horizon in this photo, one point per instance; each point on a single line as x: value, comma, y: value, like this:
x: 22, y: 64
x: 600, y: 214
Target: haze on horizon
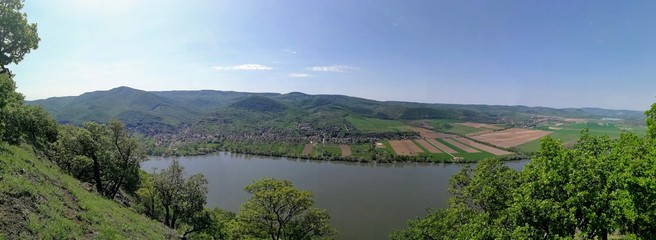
x: 553, y: 54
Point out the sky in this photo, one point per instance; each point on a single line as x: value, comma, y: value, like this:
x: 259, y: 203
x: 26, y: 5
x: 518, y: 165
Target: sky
x: 535, y: 53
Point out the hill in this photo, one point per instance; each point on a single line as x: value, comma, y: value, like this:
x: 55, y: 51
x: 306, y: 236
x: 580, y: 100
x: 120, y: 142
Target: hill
x: 38, y: 201
x: 193, y: 122
x: 166, y: 111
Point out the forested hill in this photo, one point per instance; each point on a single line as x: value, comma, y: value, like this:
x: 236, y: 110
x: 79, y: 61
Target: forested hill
x: 167, y: 111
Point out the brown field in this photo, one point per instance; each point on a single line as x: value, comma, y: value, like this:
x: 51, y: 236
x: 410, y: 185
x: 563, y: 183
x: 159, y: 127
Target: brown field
x: 480, y: 133
x: 428, y: 146
x: 511, y: 137
x: 441, y: 146
x: 460, y: 145
x: 431, y: 134
x: 483, y: 147
x: 405, y: 147
x: 479, y: 125
x: 346, y: 150
x: 307, y: 150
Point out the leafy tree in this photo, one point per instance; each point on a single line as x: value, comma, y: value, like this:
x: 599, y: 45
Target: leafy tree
x: 277, y: 210
x: 104, y: 153
x: 651, y: 121
x: 596, y: 188
x: 183, y: 199
x: 38, y: 127
x: 147, y: 194
x: 10, y: 102
x: 18, y: 36
x: 479, y: 208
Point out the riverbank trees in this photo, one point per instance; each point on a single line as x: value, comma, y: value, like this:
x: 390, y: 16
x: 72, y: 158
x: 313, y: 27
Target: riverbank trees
x: 598, y: 188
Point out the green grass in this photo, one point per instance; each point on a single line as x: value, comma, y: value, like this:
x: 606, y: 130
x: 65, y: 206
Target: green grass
x: 377, y: 125
x: 41, y: 202
x: 450, y: 146
x: 474, y: 156
x: 570, y: 133
x: 450, y: 126
x: 360, y: 151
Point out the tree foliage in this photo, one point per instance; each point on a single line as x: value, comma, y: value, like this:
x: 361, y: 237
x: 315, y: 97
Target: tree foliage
x: 594, y: 189
x: 277, y: 210
x: 183, y: 199
x: 18, y: 36
x: 103, y: 154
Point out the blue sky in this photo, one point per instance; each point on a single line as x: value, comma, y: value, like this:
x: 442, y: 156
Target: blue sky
x: 535, y: 53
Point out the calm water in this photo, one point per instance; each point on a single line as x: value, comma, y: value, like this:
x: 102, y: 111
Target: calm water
x: 365, y: 201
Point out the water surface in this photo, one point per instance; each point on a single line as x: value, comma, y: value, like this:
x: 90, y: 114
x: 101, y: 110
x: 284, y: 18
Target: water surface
x: 365, y: 201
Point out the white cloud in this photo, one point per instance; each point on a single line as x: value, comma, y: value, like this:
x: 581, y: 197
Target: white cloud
x: 333, y: 68
x: 299, y: 75
x: 244, y: 67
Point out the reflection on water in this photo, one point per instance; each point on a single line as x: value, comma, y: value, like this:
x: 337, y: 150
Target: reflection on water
x: 365, y: 200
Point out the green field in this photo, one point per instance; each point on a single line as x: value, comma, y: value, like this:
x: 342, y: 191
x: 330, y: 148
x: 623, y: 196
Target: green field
x: 468, y: 156
x: 377, y: 125
x: 570, y: 133
x: 450, y: 126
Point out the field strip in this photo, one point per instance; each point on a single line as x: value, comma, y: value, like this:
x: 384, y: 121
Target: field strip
x: 405, y: 147
x: 431, y: 134
x: 511, y: 137
x: 428, y: 146
x: 307, y: 150
x: 483, y: 147
x: 346, y: 150
x: 441, y: 146
x: 460, y: 145
x: 479, y: 125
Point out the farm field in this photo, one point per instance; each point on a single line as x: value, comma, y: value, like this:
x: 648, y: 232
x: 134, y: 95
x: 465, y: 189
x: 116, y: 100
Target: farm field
x: 460, y: 145
x: 429, y: 147
x: 483, y: 147
x: 346, y: 150
x: 570, y: 133
x: 307, y: 150
x: 441, y: 146
x: 377, y: 125
x: 452, y: 126
x: 405, y: 147
x: 431, y: 134
x: 511, y: 137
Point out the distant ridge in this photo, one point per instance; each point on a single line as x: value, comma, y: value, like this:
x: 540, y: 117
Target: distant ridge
x: 167, y: 111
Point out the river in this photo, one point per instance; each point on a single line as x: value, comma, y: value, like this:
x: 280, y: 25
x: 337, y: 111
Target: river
x: 365, y: 201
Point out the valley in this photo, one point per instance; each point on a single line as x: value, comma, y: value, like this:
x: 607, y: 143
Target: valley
x: 334, y: 127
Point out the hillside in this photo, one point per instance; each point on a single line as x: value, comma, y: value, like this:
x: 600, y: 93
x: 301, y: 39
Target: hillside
x: 38, y: 201
x: 197, y: 122
x: 166, y: 111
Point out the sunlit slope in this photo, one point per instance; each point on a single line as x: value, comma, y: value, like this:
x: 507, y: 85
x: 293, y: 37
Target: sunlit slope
x: 38, y: 201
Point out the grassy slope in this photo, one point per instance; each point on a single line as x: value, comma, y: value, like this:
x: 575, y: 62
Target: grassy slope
x: 38, y: 201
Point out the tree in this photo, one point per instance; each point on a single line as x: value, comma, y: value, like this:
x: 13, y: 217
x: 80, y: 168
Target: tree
x: 10, y: 101
x: 478, y: 209
x: 38, y: 127
x: 183, y: 198
x: 18, y: 36
x: 651, y: 121
x: 107, y: 152
x: 277, y: 210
